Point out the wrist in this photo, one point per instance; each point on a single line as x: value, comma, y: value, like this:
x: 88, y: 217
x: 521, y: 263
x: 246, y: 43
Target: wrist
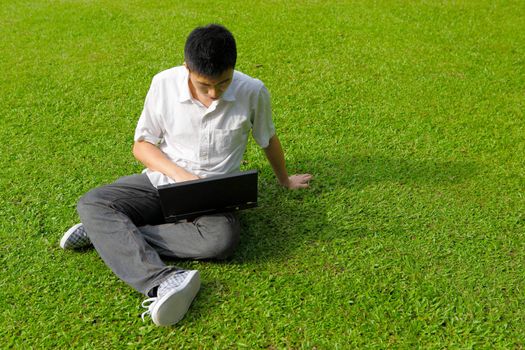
x: 179, y: 174
x: 285, y: 182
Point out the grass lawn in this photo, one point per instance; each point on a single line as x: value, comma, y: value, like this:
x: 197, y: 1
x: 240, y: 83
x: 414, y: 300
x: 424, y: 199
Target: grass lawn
x: 410, y: 114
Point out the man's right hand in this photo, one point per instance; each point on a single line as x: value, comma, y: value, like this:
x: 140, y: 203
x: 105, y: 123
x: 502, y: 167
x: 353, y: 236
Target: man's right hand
x: 184, y: 176
x: 154, y: 159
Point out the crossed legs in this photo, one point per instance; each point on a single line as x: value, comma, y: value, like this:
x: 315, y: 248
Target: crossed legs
x: 124, y: 222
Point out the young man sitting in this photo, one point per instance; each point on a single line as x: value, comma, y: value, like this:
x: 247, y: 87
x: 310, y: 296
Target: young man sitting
x: 195, y: 123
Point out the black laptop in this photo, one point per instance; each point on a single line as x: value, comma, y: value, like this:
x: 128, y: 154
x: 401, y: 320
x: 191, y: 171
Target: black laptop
x: 215, y: 194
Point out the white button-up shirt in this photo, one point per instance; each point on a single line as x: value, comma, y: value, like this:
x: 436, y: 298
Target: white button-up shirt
x: 204, y: 141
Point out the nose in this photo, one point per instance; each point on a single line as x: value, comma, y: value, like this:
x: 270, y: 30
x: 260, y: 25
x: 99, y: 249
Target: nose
x: 213, y: 93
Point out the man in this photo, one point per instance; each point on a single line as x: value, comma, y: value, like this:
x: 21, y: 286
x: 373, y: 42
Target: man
x: 195, y: 123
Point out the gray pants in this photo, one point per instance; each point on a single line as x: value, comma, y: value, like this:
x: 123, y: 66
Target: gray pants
x: 124, y: 222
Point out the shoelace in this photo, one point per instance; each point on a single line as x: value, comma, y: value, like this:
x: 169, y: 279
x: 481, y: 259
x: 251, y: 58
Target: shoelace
x: 171, y: 282
x: 147, y: 304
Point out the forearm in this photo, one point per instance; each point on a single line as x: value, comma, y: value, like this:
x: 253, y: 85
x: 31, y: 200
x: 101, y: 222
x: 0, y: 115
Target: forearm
x: 275, y: 155
x: 153, y: 158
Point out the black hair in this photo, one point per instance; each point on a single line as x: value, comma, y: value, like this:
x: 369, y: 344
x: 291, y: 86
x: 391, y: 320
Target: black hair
x: 210, y: 50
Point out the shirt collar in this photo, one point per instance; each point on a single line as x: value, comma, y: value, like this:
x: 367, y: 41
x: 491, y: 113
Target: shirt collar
x: 229, y: 95
x: 184, y: 91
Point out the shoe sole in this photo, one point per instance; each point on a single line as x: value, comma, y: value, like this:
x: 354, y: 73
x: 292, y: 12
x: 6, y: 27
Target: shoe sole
x: 172, y: 307
x: 68, y: 234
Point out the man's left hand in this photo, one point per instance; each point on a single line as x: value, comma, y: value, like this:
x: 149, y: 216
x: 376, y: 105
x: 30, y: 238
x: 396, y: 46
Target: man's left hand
x: 298, y: 181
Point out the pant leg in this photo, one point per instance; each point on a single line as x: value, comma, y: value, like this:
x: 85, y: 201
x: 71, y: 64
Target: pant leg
x: 110, y: 215
x: 207, y: 237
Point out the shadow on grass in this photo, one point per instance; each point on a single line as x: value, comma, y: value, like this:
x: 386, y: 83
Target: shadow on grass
x: 287, y: 220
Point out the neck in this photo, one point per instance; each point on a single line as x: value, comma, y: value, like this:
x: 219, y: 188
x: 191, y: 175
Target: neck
x: 202, y: 99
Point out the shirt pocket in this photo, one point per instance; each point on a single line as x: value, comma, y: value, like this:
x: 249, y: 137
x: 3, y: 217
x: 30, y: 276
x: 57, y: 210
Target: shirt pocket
x: 227, y: 141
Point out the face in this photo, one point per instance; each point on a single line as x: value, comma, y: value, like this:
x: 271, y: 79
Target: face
x: 209, y: 89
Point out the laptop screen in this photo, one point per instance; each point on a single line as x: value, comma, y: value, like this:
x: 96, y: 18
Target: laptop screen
x: 216, y: 194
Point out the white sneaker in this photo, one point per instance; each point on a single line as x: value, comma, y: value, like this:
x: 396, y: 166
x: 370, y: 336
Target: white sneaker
x: 174, y: 297
x: 75, y: 238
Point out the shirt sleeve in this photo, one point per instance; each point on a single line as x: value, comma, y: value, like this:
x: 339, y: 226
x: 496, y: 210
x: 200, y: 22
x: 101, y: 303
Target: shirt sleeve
x: 262, y: 125
x: 149, y: 125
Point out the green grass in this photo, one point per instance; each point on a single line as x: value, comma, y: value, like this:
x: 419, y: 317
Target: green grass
x: 408, y: 113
